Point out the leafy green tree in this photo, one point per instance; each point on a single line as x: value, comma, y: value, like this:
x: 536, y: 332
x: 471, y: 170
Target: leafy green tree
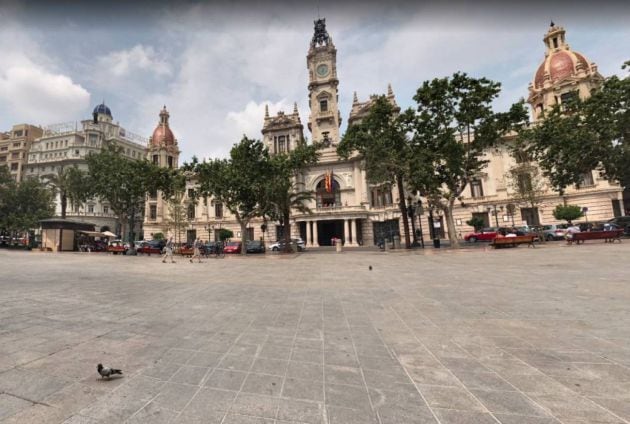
x: 72, y: 184
x: 526, y: 184
x: 238, y: 182
x: 381, y: 140
x: 158, y: 236
x: 476, y: 222
x: 282, y: 193
x: 585, y: 135
x: 124, y: 183
x: 225, y: 234
x: 23, y: 205
x: 453, y: 129
x: 567, y: 213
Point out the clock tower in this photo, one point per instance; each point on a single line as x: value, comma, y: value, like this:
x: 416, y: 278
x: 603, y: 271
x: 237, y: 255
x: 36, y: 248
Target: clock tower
x: 321, y: 61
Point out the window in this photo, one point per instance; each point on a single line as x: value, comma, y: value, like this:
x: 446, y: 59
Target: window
x: 17, y: 144
x: 156, y: 159
x: 476, y: 188
x: 91, y: 208
x: 323, y: 105
x: 153, y: 194
x: 524, y: 183
x: 191, y: 211
x: 15, y: 155
x: 133, y: 153
x: 555, y: 42
x: 76, y: 153
x: 153, y: 212
x: 3, y: 158
x: 4, y: 149
x: 587, y: 180
x: 170, y: 161
x: 18, y: 133
x: 105, y: 209
x: 15, y: 166
x: 218, y: 210
x: 281, y: 144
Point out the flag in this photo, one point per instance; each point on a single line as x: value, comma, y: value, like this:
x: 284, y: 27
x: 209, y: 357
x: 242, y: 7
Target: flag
x: 328, y: 181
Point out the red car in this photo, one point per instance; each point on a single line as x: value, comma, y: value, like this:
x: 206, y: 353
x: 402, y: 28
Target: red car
x: 486, y: 234
x: 232, y: 247
x: 151, y: 247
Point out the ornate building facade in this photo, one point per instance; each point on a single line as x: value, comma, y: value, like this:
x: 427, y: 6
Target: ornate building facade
x: 347, y: 207
x: 564, y: 74
x: 68, y: 144
x: 14, y: 147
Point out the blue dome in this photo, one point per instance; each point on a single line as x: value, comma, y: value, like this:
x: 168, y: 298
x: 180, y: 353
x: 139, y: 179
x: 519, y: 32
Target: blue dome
x: 103, y: 109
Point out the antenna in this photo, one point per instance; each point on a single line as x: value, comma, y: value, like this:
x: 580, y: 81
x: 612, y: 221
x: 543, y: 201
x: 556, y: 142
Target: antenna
x: 318, y: 17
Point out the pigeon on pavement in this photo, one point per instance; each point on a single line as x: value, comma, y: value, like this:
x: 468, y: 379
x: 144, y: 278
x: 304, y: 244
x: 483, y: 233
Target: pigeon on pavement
x: 107, y: 371
x: 370, y: 267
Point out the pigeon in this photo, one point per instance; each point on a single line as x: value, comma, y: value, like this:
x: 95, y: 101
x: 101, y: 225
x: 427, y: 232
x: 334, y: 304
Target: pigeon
x: 370, y: 268
x: 107, y: 371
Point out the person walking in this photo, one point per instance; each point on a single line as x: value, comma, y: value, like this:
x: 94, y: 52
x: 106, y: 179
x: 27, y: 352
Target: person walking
x: 196, y: 250
x: 168, y: 250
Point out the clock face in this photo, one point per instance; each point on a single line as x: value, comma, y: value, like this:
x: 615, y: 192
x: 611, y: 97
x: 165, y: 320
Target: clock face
x: 322, y: 70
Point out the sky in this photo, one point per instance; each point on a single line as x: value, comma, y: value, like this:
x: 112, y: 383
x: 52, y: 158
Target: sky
x: 215, y: 65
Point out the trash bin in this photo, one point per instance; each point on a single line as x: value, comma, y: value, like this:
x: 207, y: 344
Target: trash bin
x: 338, y: 246
x: 436, y: 243
x: 396, y: 242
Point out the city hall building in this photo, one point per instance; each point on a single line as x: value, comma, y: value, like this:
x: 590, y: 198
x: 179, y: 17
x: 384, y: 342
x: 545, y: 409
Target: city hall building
x: 346, y: 206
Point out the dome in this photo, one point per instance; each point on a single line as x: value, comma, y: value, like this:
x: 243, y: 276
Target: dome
x: 102, y: 109
x: 560, y: 61
x: 162, y: 135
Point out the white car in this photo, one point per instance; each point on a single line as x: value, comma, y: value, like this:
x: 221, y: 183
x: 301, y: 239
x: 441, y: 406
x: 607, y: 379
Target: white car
x: 279, y: 245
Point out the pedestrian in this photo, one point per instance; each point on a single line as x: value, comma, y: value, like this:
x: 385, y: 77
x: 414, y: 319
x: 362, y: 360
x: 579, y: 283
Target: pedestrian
x: 168, y: 250
x: 196, y: 250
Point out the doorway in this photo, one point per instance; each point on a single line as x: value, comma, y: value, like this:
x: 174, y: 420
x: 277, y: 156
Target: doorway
x: 327, y: 230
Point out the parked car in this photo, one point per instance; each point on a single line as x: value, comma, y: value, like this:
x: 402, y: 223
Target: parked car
x: 117, y: 247
x: 232, y: 247
x: 554, y: 231
x: 622, y: 222
x: 486, y: 234
x: 209, y: 248
x: 255, y: 246
x: 297, y: 244
x: 138, y: 244
x: 153, y: 246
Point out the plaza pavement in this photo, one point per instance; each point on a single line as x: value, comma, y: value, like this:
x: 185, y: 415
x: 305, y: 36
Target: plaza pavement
x: 516, y: 336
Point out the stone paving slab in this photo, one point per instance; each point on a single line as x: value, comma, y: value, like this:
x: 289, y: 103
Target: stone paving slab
x: 538, y: 336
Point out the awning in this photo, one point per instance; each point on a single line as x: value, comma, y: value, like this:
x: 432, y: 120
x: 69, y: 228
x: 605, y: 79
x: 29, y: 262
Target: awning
x: 108, y: 234
x: 92, y: 233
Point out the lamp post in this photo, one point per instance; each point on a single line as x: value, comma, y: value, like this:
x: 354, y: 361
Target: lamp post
x: 435, y: 235
x: 496, y: 215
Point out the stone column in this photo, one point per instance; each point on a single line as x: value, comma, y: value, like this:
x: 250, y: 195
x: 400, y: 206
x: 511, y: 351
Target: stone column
x: 309, y: 234
x: 315, y: 236
x: 355, y: 241
x: 346, y: 232
x: 621, y: 206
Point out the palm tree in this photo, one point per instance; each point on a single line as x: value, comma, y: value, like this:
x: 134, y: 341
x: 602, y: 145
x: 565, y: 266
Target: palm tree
x: 282, y: 201
x: 71, y: 184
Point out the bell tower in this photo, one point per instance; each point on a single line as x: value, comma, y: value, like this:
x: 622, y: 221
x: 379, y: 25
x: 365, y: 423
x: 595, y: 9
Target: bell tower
x: 323, y: 93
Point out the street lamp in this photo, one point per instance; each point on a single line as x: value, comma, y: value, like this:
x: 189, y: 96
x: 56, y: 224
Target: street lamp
x: 435, y: 234
x: 496, y: 215
x: 419, y: 212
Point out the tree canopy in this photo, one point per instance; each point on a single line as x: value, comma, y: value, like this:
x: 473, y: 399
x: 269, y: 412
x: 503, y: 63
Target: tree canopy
x: 453, y: 129
x: 381, y: 140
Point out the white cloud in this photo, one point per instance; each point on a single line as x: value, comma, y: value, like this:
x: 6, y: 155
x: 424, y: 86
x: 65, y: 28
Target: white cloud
x: 37, y: 95
x: 32, y: 89
x: 138, y: 58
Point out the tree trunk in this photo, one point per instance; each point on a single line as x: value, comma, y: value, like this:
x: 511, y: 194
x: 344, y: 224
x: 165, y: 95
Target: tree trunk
x: 287, y: 232
x: 64, y: 204
x: 243, y: 237
x: 403, y: 210
x: 452, y: 233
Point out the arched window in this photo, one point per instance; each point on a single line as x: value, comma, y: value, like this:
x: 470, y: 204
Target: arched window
x: 327, y: 199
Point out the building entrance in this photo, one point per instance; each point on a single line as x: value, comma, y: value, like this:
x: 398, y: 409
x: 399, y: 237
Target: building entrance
x: 327, y: 230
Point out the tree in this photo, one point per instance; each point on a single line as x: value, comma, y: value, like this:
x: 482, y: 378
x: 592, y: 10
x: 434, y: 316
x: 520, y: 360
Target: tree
x: 283, y: 193
x: 225, y: 234
x: 381, y: 140
x: 124, y: 183
x: 476, y: 222
x: 71, y: 183
x: 585, y: 135
x: 525, y: 183
x: 158, y: 236
x: 238, y: 182
x: 567, y: 213
x: 23, y: 205
x: 453, y: 128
